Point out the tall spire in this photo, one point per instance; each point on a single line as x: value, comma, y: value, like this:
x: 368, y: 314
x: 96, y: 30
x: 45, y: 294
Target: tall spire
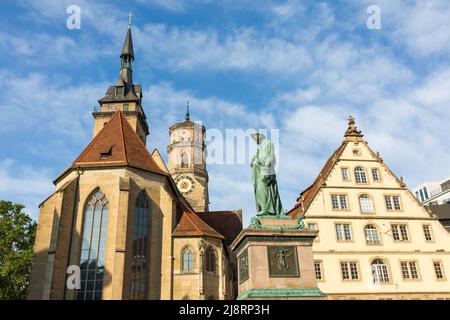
x: 127, y: 57
x: 188, y: 117
x: 352, y: 130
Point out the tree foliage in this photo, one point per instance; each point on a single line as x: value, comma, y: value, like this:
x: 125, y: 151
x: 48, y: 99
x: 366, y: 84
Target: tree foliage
x: 17, y: 233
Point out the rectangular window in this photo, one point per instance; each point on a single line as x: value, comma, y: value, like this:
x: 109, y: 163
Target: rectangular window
x: 438, y: 270
x: 400, y: 232
x: 318, y: 269
x: 409, y: 270
x: 345, y: 174
x: 335, y: 202
x: 427, y: 232
x: 376, y: 175
x: 349, y: 270
x: 343, y: 232
x: 392, y: 203
x: 125, y: 106
x: 343, y: 201
x: 339, y: 202
x: 313, y: 226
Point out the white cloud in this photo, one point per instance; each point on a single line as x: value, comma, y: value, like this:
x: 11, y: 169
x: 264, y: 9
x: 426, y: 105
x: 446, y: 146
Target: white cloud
x: 26, y: 185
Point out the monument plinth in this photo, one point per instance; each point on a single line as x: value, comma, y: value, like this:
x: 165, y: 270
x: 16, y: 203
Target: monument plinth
x: 275, y: 260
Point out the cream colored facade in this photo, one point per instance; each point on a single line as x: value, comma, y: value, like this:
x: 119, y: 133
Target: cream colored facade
x: 417, y: 248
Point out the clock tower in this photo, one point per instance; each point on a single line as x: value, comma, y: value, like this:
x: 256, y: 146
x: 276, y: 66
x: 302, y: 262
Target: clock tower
x: 187, y: 161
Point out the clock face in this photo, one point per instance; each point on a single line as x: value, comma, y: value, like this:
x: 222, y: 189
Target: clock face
x: 185, y: 184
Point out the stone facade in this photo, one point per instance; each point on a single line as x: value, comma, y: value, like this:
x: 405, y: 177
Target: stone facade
x: 187, y: 162
x: 118, y: 215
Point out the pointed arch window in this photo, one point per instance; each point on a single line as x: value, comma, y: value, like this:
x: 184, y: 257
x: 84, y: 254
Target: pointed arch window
x: 372, y: 234
x: 140, y: 251
x: 210, y: 260
x: 360, y: 175
x: 93, y: 247
x: 187, y: 260
x: 366, y: 204
x: 380, y: 271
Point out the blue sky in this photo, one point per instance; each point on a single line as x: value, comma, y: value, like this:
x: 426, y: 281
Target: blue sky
x: 298, y: 66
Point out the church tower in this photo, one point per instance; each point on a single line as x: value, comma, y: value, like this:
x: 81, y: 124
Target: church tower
x: 187, y: 161
x: 124, y: 96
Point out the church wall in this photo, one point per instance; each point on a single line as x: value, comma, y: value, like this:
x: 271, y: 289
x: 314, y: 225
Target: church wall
x: 40, y: 278
x: 121, y: 187
x: 200, y: 284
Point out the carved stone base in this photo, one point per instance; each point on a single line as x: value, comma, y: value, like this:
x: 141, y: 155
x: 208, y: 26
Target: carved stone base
x: 275, y: 260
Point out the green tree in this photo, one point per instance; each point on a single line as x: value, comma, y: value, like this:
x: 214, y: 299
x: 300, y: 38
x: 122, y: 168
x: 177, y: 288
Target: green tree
x: 17, y: 233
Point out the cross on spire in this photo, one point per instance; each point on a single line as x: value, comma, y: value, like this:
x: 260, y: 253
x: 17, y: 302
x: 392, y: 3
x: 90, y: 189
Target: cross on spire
x: 130, y: 15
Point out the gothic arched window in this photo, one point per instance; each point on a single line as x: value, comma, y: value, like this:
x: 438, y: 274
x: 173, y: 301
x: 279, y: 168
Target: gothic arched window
x: 372, y: 235
x: 187, y: 259
x: 93, y: 247
x: 210, y: 260
x: 360, y: 175
x: 140, y: 251
x: 380, y: 271
x: 184, y: 160
x: 366, y: 204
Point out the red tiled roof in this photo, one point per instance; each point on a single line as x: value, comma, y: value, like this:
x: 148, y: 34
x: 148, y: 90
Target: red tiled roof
x: 116, y: 145
x: 191, y: 225
x: 227, y: 223
x: 307, y: 196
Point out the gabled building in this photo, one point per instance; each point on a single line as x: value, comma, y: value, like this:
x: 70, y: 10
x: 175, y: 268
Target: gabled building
x: 376, y: 240
x: 118, y: 223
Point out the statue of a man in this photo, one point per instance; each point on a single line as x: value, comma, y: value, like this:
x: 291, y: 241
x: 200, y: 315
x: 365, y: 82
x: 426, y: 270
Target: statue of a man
x: 264, y: 179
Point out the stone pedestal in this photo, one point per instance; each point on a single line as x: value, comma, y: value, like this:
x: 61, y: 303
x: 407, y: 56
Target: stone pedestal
x: 275, y: 260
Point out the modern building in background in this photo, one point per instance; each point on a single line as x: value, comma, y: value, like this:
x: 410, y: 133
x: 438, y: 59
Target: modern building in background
x: 376, y: 240
x: 433, y: 192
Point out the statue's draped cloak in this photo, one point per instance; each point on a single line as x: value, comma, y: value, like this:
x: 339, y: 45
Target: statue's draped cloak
x: 264, y: 181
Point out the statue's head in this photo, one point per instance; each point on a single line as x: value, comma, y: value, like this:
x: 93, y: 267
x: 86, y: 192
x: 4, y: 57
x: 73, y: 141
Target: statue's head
x: 258, y: 137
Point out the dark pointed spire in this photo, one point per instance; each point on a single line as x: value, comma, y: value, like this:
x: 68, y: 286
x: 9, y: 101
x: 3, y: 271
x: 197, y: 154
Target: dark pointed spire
x: 188, y: 117
x: 127, y: 49
x: 352, y: 130
x: 127, y: 58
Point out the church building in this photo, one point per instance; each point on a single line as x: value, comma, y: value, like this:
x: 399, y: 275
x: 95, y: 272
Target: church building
x: 376, y: 240
x: 128, y: 225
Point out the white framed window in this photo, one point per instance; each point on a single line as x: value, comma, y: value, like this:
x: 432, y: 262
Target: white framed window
x: 345, y: 174
x: 400, y: 232
x: 349, y: 270
x: 427, y: 232
x: 318, y: 269
x: 380, y: 271
x: 438, y: 269
x: 360, y: 175
x: 409, y: 270
x: 392, y: 202
x: 376, y: 175
x: 366, y: 204
x: 372, y: 234
x: 343, y: 232
x: 339, y: 201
